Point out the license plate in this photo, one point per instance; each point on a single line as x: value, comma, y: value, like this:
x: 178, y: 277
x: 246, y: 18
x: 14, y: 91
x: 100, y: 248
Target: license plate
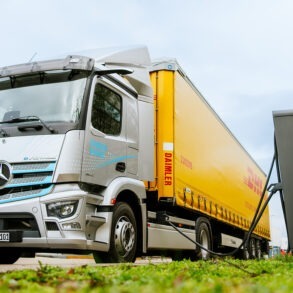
x: 10, y: 236
x: 4, y: 237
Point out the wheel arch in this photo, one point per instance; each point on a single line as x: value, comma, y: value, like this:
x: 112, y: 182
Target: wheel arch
x: 119, y: 186
x: 129, y: 197
x: 132, y: 192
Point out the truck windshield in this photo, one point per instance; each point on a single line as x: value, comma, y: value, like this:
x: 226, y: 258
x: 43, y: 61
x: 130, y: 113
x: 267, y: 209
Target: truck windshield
x: 53, y: 96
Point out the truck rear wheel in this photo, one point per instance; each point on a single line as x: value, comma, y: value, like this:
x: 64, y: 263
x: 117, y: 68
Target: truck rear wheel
x: 203, y: 236
x: 123, y: 239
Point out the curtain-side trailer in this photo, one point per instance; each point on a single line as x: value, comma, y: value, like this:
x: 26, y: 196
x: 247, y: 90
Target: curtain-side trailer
x: 98, y: 150
x: 202, y: 171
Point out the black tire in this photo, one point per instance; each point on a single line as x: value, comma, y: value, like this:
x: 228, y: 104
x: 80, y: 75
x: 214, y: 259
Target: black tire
x: 9, y: 256
x: 258, y: 249
x: 203, y: 237
x: 123, y: 239
x: 245, y: 253
x: 252, y: 248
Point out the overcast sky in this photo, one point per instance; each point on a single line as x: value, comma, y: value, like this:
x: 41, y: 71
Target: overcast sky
x: 237, y: 53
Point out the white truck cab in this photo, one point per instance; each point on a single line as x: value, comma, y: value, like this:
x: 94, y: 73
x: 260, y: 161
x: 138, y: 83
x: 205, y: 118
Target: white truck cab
x: 74, y: 135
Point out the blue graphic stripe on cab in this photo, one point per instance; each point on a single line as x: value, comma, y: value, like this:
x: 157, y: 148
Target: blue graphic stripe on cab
x: 100, y: 150
x: 114, y: 160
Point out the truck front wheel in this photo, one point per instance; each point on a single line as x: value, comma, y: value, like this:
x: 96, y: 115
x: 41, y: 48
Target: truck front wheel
x: 123, y: 239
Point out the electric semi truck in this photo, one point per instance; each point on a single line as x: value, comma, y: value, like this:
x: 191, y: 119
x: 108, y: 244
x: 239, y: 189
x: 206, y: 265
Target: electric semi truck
x: 104, y: 152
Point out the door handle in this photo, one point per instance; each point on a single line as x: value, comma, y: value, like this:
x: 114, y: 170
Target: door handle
x: 120, y: 167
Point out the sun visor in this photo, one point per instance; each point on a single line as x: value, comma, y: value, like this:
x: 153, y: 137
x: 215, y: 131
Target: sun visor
x: 136, y: 58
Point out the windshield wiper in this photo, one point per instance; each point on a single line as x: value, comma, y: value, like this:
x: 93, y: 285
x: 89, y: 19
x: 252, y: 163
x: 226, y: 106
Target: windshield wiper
x: 28, y: 119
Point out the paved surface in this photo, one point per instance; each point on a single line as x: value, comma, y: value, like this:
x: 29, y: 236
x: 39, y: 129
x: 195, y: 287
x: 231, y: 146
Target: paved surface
x: 66, y: 261
x: 33, y: 263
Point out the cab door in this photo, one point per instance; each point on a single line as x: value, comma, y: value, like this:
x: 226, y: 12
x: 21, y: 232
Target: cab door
x: 105, y: 148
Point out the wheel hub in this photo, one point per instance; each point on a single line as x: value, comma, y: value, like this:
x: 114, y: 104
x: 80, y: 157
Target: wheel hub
x: 204, y: 242
x: 124, y: 236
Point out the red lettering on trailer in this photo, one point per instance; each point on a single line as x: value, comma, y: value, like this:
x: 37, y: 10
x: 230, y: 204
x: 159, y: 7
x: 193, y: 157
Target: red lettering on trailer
x: 186, y: 162
x: 168, y: 169
x: 253, y: 181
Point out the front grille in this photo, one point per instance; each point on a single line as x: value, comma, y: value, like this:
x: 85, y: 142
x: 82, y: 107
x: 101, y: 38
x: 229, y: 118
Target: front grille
x: 28, y: 180
x: 20, y: 222
x: 33, y: 166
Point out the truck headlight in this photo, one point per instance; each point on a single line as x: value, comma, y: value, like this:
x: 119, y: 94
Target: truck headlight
x: 62, y: 209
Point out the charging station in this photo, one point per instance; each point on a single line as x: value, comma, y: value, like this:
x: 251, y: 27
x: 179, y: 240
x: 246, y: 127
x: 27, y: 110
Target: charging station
x: 283, y: 122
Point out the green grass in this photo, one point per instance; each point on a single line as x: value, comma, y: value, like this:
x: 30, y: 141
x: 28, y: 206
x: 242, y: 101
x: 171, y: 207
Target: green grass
x: 274, y: 275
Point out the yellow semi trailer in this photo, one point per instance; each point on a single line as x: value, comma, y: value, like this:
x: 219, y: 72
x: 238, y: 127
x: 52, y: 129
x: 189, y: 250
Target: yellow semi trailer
x: 201, y: 168
x: 108, y: 153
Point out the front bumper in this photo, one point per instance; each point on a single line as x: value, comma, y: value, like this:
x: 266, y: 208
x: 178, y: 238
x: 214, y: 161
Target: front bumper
x: 86, y: 229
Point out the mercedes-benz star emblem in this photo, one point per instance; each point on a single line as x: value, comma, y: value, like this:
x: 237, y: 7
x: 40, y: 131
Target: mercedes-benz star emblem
x: 5, y: 173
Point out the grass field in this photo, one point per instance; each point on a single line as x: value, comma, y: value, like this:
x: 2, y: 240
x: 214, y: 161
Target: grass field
x: 273, y: 275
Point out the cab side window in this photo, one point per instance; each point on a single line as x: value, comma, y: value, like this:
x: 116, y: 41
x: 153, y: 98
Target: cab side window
x: 106, y: 110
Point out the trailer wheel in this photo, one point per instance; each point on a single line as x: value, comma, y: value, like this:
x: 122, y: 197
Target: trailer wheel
x: 123, y: 239
x: 252, y: 248
x: 258, y: 249
x: 204, y: 237
x: 245, y: 252
x: 8, y: 256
